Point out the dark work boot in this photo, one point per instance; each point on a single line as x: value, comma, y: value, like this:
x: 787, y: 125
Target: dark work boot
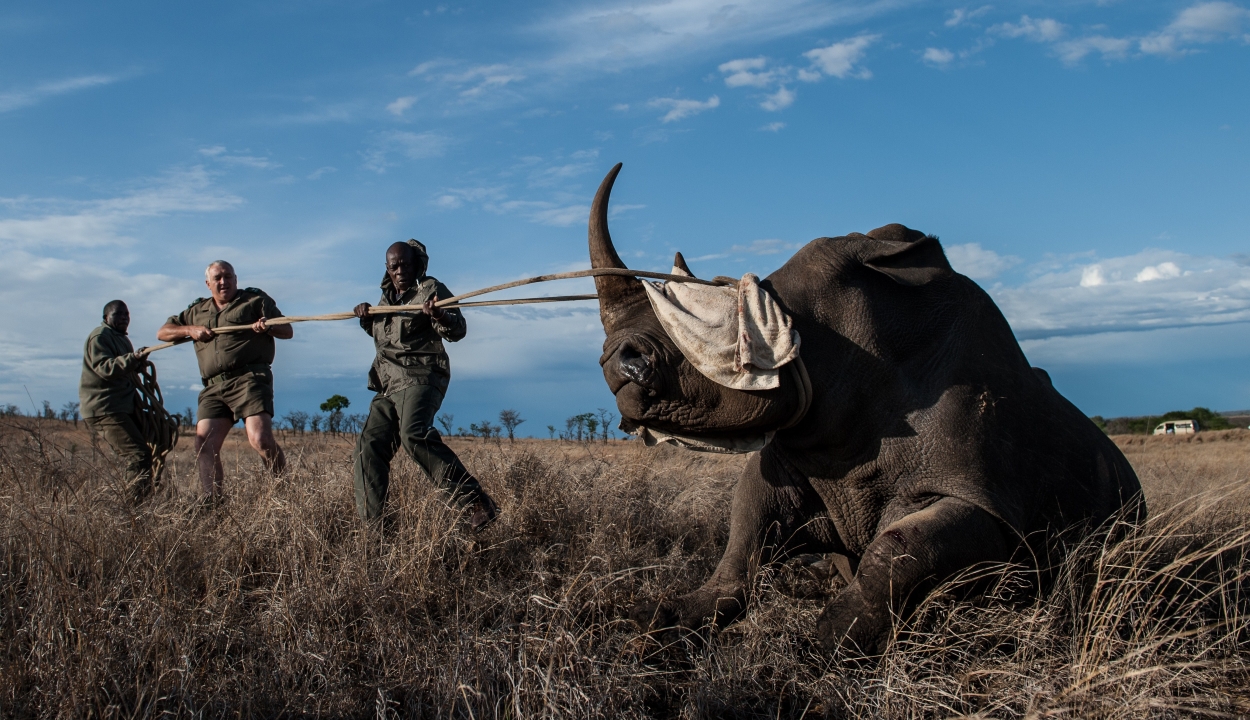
x: 482, y: 513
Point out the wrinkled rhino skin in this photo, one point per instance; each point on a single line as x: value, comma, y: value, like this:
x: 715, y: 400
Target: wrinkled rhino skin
x: 930, y: 446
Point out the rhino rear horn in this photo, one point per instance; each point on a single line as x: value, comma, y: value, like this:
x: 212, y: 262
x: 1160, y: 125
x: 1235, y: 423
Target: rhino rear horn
x: 679, y: 262
x: 620, y: 297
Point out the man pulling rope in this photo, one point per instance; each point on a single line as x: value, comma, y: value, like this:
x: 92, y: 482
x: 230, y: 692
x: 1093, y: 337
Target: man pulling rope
x: 121, y: 401
x: 410, y: 376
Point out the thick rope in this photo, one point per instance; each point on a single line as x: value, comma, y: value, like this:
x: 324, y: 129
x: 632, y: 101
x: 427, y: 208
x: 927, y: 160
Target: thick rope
x: 159, y: 428
x: 454, y: 302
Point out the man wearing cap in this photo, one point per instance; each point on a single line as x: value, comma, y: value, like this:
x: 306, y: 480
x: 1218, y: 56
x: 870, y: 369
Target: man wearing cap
x: 106, y: 396
x: 235, y: 369
x: 410, y: 376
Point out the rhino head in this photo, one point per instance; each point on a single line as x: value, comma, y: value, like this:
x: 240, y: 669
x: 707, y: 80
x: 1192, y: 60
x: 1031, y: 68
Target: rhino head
x: 655, y: 385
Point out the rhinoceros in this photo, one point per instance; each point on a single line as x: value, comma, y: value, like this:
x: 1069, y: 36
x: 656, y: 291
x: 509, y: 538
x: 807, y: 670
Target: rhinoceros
x: 918, y: 443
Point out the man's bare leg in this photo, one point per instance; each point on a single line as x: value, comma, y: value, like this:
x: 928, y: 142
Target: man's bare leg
x: 210, y: 435
x: 260, y: 435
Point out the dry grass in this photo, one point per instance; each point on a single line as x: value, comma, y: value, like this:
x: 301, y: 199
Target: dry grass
x: 282, y: 604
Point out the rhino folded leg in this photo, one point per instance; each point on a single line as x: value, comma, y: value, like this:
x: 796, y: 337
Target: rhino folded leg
x: 904, y: 562
x: 773, y: 514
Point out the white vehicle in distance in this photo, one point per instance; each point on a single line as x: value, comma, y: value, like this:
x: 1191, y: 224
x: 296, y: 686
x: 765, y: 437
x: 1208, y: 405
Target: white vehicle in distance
x: 1177, y: 427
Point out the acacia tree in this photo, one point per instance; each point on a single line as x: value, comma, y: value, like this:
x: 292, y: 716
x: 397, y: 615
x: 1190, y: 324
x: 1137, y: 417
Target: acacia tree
x: 296, y: 420
x: 335, y: 405
x: 484, y: 429
x: 69, y: 411
x: 445, y: 420
x: 605, y: 423
x: 510, y: 419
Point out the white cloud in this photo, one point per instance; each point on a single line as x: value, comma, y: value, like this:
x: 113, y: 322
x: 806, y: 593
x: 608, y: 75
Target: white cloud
x: 425, y: 67
x: 773, y: 127
x: 1207, y: 22
x: 938, y: 57
x: 544, y: 212
x: 628, y: 33
x: 413, y: 146
x: 555, y: 174
x: 1091, y: 276
x: 961, y: 15
x: 319, y: 172
x: 15, y: 99
x: 46, y: 223
x: 769, y: 246
x: 1161, y: 271
x: 1145, y: 291
x: 218, y: 154
x: 252, y: 161
x: 452, y: 198
x: 484, y: 78
x: 1203, y: 23
x: 83, y: 248
x: 1072, y: 52
x: 558, y: 211
x: 463, y: 85
x: 679, y: 109
x: 1044, y: 30
x: 842, y: 59
x: 398, y: 107
x: 978, y: 263
x: 748, y: 72
x: 516, y: 341
x: 448, y: 202
x: 783, y: 98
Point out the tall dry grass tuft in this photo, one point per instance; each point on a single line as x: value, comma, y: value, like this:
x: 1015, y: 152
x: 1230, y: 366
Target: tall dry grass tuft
x: 282, y: 603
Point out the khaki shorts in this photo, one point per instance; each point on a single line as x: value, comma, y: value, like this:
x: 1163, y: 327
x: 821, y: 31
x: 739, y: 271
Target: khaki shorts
x: 237, y: 398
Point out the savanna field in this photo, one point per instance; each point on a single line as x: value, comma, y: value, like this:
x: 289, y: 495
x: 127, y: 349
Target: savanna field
x: 283, y: 604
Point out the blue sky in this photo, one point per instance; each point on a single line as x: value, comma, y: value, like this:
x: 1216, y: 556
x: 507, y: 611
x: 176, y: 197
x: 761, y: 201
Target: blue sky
x: 1085, y: 161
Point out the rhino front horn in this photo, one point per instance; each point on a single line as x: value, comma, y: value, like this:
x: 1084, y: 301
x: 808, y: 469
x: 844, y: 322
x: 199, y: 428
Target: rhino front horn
x: 619, y: 297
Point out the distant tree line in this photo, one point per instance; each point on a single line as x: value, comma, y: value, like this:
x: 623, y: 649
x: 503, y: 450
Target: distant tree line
x: 67, y: 413
x: 1207, y: 420
x: 333, y: 419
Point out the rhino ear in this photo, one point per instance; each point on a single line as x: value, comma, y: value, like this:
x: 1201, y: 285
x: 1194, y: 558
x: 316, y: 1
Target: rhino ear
x: 906, y: 256
x: 679, y: 263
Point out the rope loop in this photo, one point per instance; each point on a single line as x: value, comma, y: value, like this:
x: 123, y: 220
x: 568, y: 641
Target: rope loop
x: 159, y: 428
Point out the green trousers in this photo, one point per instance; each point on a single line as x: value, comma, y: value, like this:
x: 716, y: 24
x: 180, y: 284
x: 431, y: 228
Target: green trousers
x: 406, y: 418
x: 122, y: 434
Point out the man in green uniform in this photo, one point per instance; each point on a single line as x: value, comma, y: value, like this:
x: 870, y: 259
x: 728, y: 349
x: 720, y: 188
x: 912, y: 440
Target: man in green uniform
x: 410, y: 376
x: 235, y: 367
x: 106, y: 396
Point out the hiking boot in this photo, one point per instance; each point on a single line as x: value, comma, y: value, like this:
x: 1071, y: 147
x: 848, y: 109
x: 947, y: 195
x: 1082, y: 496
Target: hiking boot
x: 482, y: 513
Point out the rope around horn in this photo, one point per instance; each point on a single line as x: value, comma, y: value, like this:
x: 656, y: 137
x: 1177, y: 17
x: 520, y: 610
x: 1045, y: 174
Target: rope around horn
x: 159, y: 428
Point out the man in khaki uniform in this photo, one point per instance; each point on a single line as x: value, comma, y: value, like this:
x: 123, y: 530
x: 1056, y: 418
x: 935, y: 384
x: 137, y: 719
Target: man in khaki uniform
x: 235, y: 369
x: 106, y: 396
x: 410, y: 375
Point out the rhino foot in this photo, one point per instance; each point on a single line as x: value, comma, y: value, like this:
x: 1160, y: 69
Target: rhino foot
x: 695, y: 611
x: 655, y: 616
x: 852, y: 628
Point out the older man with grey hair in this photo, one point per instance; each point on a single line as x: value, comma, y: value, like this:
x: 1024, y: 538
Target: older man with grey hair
x: 235, y: 368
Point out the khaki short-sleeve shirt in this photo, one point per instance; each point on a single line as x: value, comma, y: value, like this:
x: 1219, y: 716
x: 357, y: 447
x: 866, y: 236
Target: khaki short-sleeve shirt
x: 237, y: 350
x: 410, y: 345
